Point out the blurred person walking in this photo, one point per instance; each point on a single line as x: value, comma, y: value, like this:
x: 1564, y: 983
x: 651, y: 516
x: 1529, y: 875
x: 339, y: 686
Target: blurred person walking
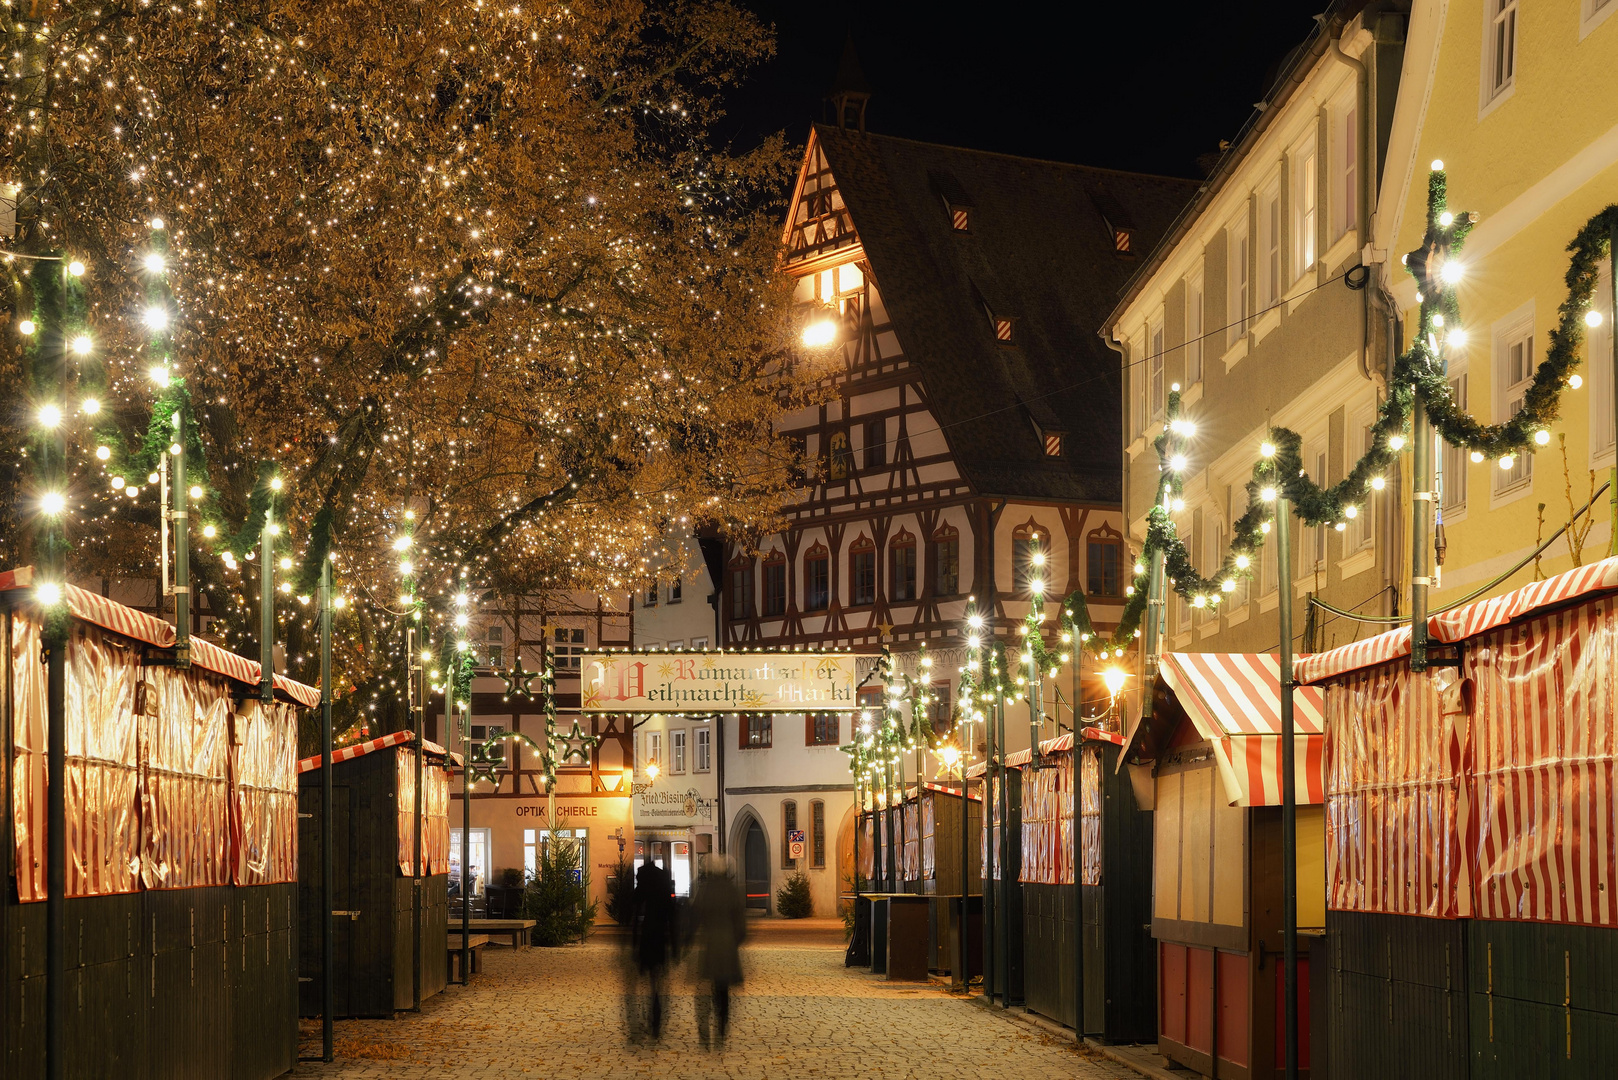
x: 653, y: 940
x: 718, y: 923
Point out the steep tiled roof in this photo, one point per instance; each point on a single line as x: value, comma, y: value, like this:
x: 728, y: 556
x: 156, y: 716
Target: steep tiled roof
x: 1040, y: 251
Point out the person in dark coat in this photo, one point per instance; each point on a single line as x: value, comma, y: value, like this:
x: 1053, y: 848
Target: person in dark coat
x: 718, y: 924
x: 653, y: 935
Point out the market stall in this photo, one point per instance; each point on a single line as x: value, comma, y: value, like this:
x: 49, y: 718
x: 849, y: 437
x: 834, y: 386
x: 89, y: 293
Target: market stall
x: 396, y: 919
x: 181, y: 849
x: 1471, y: 858
x: 1208, y: 759
x: 1114, y: 973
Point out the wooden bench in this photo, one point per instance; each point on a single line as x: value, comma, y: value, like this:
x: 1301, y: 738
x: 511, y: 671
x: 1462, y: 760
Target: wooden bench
x: 475, y: 944
x: 516, y: 929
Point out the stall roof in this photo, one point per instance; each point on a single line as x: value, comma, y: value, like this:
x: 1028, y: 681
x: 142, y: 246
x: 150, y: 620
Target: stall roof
x: 1234, y: 701
x: 109, y: 614
x: 381, y: 742
x: 1463, y: 622
x: 1049, y: 746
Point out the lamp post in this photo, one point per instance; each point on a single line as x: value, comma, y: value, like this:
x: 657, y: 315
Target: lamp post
x: 1289, y: 798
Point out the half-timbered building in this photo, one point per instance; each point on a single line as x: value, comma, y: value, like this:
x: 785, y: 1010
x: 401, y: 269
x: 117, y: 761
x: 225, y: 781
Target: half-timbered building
x: 976, y: 415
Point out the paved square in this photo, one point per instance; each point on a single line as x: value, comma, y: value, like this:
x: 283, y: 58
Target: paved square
x: 560, y: 1012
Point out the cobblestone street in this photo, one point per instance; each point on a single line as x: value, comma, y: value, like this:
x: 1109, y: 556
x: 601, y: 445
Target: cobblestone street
x: 559, y: 1012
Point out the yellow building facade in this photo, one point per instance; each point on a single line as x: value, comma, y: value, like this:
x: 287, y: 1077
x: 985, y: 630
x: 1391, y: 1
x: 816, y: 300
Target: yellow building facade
x: 1519, y: 101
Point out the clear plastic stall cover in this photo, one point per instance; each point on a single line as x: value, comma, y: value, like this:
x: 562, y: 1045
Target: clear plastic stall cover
x: 929, y: 838
x: 185, y: 804
x: 434, y: 808
x: 103, y: 840
x: 1047, y: 822
x: 991, y: 831
x: 911, y: 819
x: 867, y: 848
x: 1090, y: 811
x: 264, y: 754
x: 1394, y: 815
x: 1541, y: 767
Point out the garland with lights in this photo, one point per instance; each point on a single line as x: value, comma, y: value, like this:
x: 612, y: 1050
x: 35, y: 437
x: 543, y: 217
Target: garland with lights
x: 1420, y: 370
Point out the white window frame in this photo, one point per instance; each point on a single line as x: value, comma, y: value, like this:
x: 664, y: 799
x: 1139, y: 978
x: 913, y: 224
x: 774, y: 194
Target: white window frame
x: 1156, y: 370
x: 702, y: 757
x: 1514, y: 329
x: 1345, y: 195
x: 1270, y: 267
x: 1269, y: 569
x: 1137, y: 382
x: 677, y: 741
x: 1304, y: 199
x: 1213, y: 554
x: 1317, y: 459
x: 1502, y: 46
x: 1361, y: 534
x: 1456, y: 462
x: 654, y: 750
x: 1238, y: 280
x: 1235, y: 604
x: 1598, y: 367
x: 1592, y: 13
x: 1194, y: 327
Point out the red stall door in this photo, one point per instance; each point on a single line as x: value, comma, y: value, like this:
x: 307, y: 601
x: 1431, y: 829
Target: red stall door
x: 1189, y: 980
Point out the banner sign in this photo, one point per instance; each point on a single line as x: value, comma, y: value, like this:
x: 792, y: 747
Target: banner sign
x: 717, y: 682
x: 670, y: 807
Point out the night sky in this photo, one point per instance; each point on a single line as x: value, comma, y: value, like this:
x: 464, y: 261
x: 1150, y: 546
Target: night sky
x: 1126, y: 85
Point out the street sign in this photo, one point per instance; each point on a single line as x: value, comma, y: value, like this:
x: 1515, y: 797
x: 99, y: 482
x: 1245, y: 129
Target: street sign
x: 795, y: 844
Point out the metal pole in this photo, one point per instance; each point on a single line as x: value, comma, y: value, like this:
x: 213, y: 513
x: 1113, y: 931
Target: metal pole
x: 266, y: 621
x: 1078, y: 843
x: 1612, y: 341
x: 887, y: 812
x: 990, y: 954
x: 1421, y: 515
x: 466, y: 840
x: 55, y: 455
x: 966, y: 882
x: 182, y: 550
x: 414, y: 694
x: 328, y: 892
x: 1005, y: 846
x: 1289, y: 797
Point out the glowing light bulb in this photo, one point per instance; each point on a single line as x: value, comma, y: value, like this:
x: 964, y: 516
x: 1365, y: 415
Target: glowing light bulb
x: 1036, y: 586
x: 1397, y: 442
x: 209, y: 531
x: 1455, y: 338
x: 82, y: 345
x: 157, y: 224
x: 1477, y: 456
x: 1177, y: 462
x: 1575, y: 381
x: 48, y: 593
x: 53, y: 502
x: 196, y: 491
x: 1592, y: 317
x: 1438, y: 166
x: 1438, y: 321
x: 117, y: 483
x: 1199, y: 601
x: 155, y: 318
x: 275, y: 483
x: 1140, y: 569
x: 1243, y: 562
x: 1351, y: 512
x: 1446, y: 219
x: 1378, y: 483
x: 1177, y: 505
x: 820, y: 333
x: 154, y: 263
x: 1264, y: 528
x: 1268, y: 494
x: 1267, y: 449
x: 49, y: 416
x: 151, y: 478
x: 26, y: 328
x: 1508, y: 461
x: 159, y: 375
x: 1228, y: 585
x: 1340, y: 526
x: 1543, y: 438
x: 103, y: 453
x: 76, y: 268
x: 460, y: 599
x: 1038, y: 558
x: 974, y: 621
x: 286, y: 563
x: 401, y: 543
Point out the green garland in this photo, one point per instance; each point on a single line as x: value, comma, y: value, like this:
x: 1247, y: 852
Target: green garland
x: 1419, y: 371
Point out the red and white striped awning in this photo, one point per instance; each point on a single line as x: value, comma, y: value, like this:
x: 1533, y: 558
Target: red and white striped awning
x: 1050, y: 746
x: 1463, y: 622
x: 382, y: 742
x: 1234, y: 699
x: 105, y: 613
x: 206, y: 654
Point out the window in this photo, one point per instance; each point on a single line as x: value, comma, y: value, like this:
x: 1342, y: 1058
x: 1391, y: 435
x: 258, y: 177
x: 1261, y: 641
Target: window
x: 1236, y: 281
x: 1104, y: 561
x: 654, y: 750
x: 938, y: 712
x: 817, y: 579
x: 1269, y: 246
x: 1361, y: 532
x: 741, y: 589
x: 876, y: 443
x: 699, y: 643
x: 497, y: 656
x: 1025, y: 544
x: 1303, y: 196
x: 1135, y: 369
x: 1317, y: 539
x: 840, y: 459
x: 1193, y: 330
x: 1121, y: 239
x: 1154, y: 367
x: 497, y: 634
x: 1346, y: 151
x: 1005, y: 331
x: 862, y: 572
x: 823, y: 729
x: 946, y: 562
x: 1593, y: 13
x: 775, y: 584
x: 1238, y: 599
x: 537, y: 840
x: 789, y: 825
x: 677, y: 751
x: 1268, y: 566
x: 1499, y: 49
x: 567, y: 646
x: 1515, y: 359
x: 674, y: 592
x: 676, y: 646
x: 960, y: 218
x: 1598, y: 371
x: 757, y: 731
x: 1213, y: 546
x: 902, y: 568
x: 478, y: 866
x: 1053, y: 443
x: 817, y: 827
x: 704, y: 755
x: 650, y: 599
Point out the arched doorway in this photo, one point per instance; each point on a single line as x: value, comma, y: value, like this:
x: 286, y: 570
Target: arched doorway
x: 756, y: 865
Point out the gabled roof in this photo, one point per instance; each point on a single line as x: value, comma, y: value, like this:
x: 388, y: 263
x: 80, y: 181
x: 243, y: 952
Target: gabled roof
x: 1040, y: 252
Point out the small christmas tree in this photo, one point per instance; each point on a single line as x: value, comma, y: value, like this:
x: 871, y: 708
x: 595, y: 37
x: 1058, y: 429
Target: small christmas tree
x: 792, y: 900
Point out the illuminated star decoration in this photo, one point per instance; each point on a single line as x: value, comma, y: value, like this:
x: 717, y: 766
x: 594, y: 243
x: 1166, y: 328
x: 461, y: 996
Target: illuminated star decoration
x: 488, y: 756
x: 519, y: 681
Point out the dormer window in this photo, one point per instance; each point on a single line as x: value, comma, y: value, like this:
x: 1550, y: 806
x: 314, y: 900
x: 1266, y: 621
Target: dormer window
x: 960, y: 218
x: 1121, y: 239
x: 1053, y: 444
x: 1005, y: 331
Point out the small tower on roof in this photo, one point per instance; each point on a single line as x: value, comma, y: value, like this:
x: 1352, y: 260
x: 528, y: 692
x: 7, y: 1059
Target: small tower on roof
x: 849, y: 90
